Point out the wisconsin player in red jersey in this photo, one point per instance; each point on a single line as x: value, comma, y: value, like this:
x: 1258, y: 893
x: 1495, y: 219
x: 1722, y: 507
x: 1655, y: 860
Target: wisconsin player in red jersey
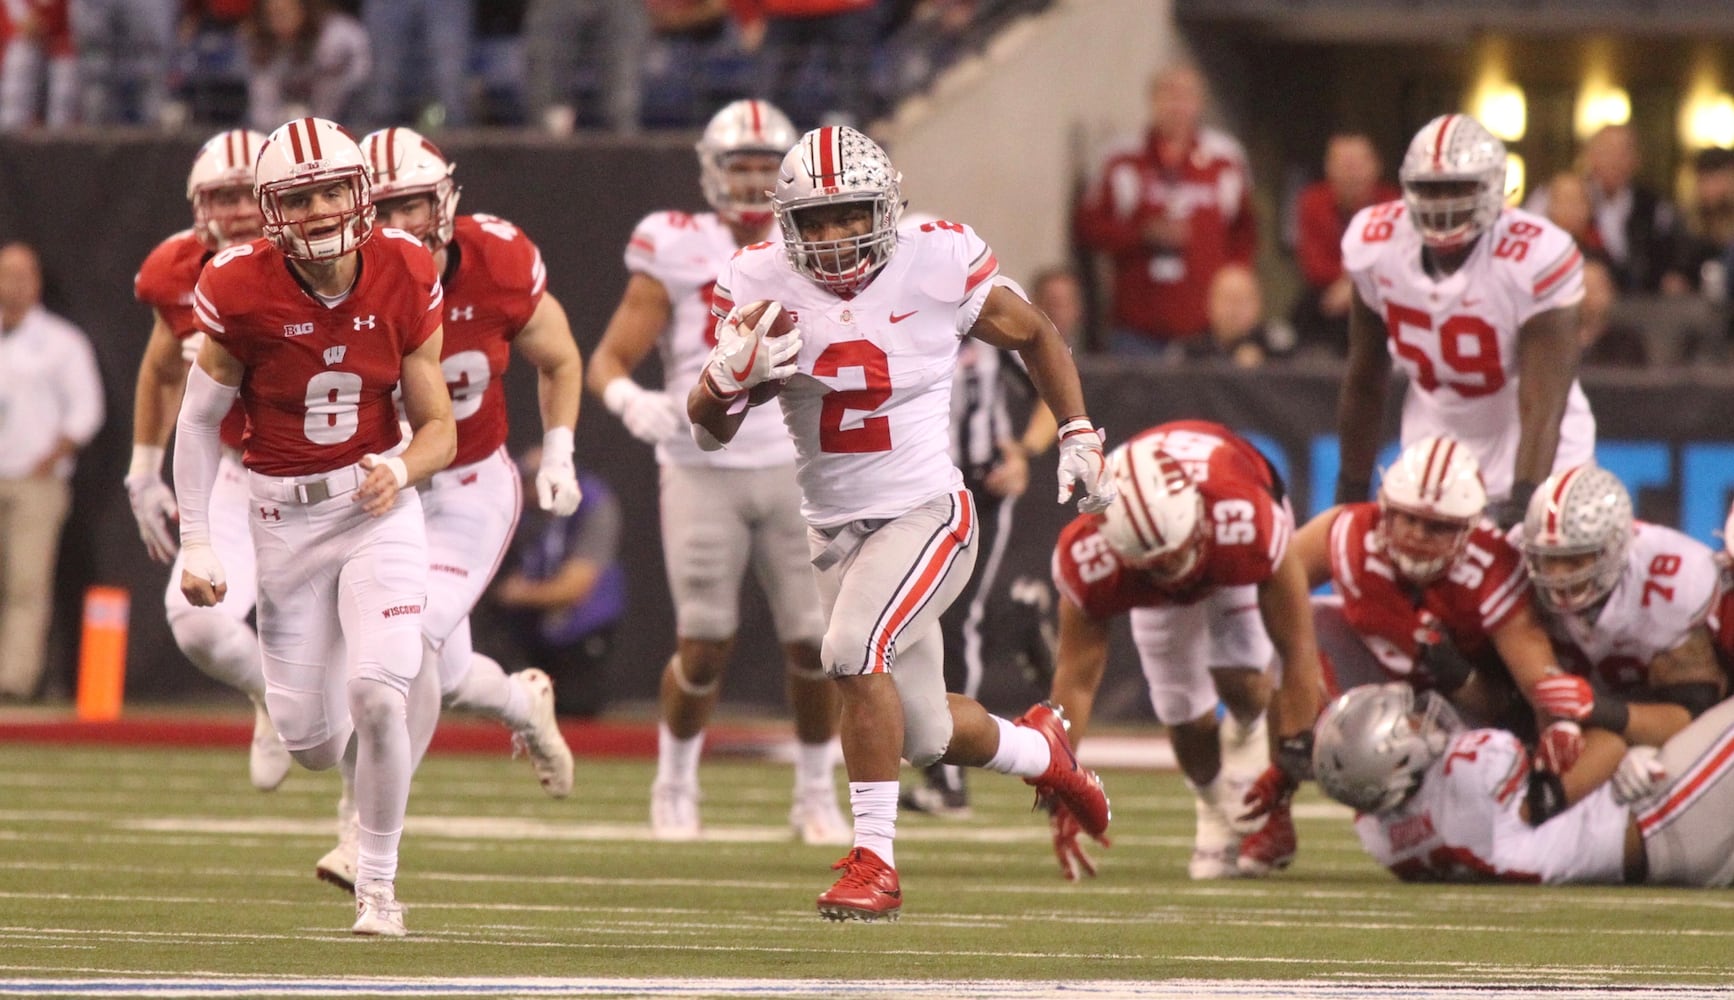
x: 723, y: 512
x: 866, y: 396
x: 1427, y: 591
x: 1196, y: 549
x: 217, y: 640
x: 312, y: 328
x: 496, y: 299
x: 1477, y: 303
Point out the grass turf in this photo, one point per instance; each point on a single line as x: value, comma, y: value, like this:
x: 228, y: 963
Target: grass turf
x: 166, y: 863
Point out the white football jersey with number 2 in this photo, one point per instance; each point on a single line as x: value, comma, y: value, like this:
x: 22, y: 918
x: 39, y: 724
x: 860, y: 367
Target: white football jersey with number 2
x: 1456, y: 338
x: 870, y: 410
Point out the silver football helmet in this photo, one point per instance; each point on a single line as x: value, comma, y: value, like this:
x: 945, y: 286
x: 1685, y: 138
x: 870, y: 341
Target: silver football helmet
x: 1453, y: 180
x: 1435, y: 479
x: 746, y: 127
x: 837, y: 165
x: 1156, y: 522
x: 1575, y: 536
x: 1372, y: 746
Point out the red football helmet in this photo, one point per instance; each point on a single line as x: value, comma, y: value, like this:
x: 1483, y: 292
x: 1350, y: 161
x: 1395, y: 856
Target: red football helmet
x: 313, y: 153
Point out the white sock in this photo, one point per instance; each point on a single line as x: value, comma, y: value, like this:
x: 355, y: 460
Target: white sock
x: 814, y: 764
x: 488, y: 689
x: 1022, y: 751
x: 225, y: 649
x: 382, y: 776
x: 874, y: 804
x: 677, y: 759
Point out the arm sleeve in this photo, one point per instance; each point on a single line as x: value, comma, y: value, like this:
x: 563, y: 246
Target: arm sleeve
x: 198, y: 448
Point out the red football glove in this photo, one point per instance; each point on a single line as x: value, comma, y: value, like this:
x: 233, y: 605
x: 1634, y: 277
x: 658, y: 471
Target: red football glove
x: 1075, y: 861
x: 1559, y: 747
x: 1564, y: 696
x: 1273, y: 788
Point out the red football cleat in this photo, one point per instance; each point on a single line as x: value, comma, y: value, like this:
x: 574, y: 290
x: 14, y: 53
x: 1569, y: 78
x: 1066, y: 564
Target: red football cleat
x: 1269, y: 848
x: 868, y: 889
x: 1080, y: 790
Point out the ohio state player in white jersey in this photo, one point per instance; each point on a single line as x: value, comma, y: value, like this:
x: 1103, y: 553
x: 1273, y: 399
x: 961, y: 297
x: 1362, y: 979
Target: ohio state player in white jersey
x: 722, y: 511
x: 866, y: 395
x: 1478, y: 305
x: 1442, y: 804
x: 217, y: 640
x: 495, y: 300
x: 313, y: 327
x: 1628, y: 606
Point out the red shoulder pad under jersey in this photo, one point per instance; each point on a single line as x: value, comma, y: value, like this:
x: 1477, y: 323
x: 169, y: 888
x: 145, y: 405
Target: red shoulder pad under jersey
x: 500, y: 271
x: 166, y: 278
x: 1481, y: 591
x: 318, y: 392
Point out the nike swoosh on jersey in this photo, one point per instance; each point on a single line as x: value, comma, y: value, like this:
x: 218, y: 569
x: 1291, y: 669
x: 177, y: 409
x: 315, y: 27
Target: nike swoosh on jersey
x: 898, y: 319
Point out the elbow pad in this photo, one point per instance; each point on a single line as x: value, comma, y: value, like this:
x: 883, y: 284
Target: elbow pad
x: 1695, y: 698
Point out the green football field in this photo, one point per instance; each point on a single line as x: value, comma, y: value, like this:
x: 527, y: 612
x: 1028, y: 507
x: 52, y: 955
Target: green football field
x: 127, y: 871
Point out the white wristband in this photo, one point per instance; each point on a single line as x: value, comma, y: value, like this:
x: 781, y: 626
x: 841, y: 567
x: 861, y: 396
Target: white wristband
x: 618, y: 393
x: 557, y: 441
x: 147, y: 460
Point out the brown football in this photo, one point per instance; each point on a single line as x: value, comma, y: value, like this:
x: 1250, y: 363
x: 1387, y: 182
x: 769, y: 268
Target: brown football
x: 751, y: 313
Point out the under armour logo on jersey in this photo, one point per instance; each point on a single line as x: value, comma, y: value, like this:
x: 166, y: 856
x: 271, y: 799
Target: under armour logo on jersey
x: 364, y: 323
x: 465, y: 313
x: 333, y: 355
x: 270, y: 514
x: 297, y: 329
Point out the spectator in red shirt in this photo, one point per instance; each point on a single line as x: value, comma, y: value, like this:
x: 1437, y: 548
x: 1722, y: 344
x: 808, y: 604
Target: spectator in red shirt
x: 1170, y: 210
x: 1354, y: 179
x: 36, y: 50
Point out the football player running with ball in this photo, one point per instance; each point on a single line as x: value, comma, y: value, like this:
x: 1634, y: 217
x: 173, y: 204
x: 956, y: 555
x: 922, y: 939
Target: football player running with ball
x: 722, y: 511
x: 312, y: 328
x: 866, y: 377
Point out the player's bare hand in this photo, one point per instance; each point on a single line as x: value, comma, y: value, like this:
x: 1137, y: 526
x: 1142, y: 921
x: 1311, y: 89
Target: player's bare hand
x: 202, y: 579
x: 385, y: 476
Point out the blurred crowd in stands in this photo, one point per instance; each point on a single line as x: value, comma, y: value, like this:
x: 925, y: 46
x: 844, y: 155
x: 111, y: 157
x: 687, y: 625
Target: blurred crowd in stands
x: 1170, y: 215
x: 554, y: 64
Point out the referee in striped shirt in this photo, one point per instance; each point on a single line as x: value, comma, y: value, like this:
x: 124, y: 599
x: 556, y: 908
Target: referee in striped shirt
x: 995, y: 465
